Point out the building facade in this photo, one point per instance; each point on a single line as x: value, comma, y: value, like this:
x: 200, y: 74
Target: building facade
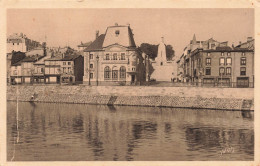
x: 16, y: 73
x: 52, y: 71
x: 22, y: 71
x: 112, y: 59
x: 19, y: 42
x: 216, y: 64
x: 180, y: 71
x: 72, y: 68
x: 12, y: 58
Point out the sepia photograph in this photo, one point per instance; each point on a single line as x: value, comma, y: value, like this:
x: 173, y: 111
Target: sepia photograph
x: 130, y: 84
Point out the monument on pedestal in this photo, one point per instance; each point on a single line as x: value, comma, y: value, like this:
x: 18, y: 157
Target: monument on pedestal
x: 163, y: 68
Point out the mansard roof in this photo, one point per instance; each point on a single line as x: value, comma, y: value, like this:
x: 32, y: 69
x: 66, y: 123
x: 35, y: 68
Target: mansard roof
x: 124, y: 36
x: 96, y: 45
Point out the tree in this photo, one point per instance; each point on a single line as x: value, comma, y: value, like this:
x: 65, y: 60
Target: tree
x: 17, y: 56
x: 170, y: 53
x: 151, y: 50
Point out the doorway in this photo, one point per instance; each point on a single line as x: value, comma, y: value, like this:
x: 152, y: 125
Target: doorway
x: 132, y: 79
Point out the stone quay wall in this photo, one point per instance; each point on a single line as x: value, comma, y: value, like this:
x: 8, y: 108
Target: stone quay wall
x: 181, y: 97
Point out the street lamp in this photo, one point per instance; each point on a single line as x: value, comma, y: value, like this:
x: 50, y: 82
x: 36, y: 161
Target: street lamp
x: 97, y: 57
x: 88, y: 73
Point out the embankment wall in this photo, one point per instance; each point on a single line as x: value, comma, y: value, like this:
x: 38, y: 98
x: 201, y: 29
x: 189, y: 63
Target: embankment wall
x: 182, y: 97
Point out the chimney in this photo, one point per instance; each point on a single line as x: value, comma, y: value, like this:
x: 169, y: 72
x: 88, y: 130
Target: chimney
x: 97, y: 34
x: 249, y: 39
x: 162, y: 39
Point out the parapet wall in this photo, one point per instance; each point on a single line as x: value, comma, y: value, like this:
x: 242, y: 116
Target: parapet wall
x: 182, y: 97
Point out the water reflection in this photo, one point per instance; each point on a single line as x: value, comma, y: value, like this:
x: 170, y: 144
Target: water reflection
x: 90, y: 132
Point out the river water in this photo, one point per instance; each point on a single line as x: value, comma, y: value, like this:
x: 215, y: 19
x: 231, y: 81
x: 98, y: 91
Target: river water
x: 78, y: 132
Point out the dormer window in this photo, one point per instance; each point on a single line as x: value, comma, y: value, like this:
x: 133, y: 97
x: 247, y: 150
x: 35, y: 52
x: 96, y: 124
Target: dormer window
x: 117, y: 32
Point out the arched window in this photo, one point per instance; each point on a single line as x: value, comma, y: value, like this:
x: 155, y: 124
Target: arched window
x: 122, y: 72
x: 107, y: 72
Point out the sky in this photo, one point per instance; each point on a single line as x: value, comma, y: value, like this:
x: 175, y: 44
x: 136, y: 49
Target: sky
x: 71, y: 26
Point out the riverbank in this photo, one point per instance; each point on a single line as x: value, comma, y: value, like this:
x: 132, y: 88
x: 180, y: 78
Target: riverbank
x: 181, y: 97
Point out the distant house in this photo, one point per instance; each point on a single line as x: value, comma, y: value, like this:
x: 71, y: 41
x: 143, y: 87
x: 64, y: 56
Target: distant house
x: 16, y: 73
x: 72, y: 69
x: 12, y: 58
x: 112, y: 59
x: 38, y: 72
x: 52, y: 70
x: 83, y: 46
x: 27, y: 68
x: 22, y: 71
x: 19, y: 42
x: 64, y: 69
x: 16, y: 43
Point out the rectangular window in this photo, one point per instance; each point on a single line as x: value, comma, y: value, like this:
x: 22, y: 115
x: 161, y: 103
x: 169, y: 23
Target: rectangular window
x: 208, y: 71
x: 69, y: 69
x: 57, y: 70
x: 228, y: 70
x: 64, y: 69
x: 221, y: 71
x: 64, y: 63
x: 222, y: 54
x: 52, y: 70
x: 243, y: 54
x: 199, y: 62
x: 38, y: 70
x: 228, y: 54
x: 91, y: 66
x: 122, y: 56
x: 90, y: 56
x: 91, y: 75
x: 107, y: 57
x: 115, y: 56
x: 208, y: 61
x: 69, y: 63
x: 229, y: 61
x: 221, y: 61
x: 242, y: 71
x: 243, y: 61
